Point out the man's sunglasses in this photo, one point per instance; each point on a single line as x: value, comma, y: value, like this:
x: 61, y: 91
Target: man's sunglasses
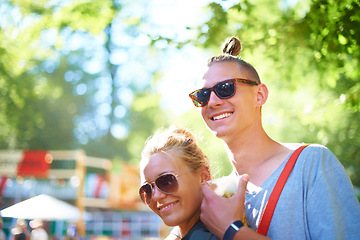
x: 223, y: 90
x: 166, y: 183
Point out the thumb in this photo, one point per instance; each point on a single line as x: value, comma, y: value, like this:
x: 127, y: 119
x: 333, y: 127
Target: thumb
x: 241, y: 188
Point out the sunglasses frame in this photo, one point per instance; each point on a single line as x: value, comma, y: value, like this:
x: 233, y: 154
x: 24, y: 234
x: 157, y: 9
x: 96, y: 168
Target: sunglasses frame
x: 212, y: 89
x: 153, y: 185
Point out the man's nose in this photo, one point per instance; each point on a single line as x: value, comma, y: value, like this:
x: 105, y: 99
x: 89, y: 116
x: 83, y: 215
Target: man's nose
x: 214, y: 100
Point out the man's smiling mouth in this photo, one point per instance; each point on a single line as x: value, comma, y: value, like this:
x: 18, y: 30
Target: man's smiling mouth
x: 221, y: 116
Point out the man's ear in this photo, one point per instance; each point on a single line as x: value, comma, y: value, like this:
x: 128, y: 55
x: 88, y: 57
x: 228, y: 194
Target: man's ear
x: 205, y: 174
x: 262, y: 94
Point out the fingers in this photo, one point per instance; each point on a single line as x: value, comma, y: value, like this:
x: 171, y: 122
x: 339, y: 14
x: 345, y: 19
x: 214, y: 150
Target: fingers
x: 207, y: 191
x: 217, y: 213
x: 209, y: 198
x: 212, y: 211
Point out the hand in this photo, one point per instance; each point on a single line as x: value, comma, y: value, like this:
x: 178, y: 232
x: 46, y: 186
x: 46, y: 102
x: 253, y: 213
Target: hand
x: 217, y: 213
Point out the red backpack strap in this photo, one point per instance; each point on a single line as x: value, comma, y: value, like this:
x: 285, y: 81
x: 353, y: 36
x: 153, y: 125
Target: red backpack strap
x: 274, y: 197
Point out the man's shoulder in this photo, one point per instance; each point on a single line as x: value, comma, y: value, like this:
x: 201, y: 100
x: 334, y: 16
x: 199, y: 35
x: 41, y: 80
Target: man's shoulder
x: 312, y: 152
x: 316, y: 154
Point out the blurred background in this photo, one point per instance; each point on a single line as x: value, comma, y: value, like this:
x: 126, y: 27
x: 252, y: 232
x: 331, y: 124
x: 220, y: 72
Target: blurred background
x: 83, y: 84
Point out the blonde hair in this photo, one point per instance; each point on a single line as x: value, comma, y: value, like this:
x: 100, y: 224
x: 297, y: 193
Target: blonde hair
x: 230, y: 50
x: 176, y: 140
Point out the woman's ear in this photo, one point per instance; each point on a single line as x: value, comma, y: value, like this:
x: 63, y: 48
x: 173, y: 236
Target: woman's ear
x: 205, y: 174
x: 262, y: 94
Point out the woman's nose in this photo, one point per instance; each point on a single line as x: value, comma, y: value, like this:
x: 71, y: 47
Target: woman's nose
x: 157, y: 194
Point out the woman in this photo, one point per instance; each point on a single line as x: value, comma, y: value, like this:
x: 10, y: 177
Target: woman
x: 172, y: 169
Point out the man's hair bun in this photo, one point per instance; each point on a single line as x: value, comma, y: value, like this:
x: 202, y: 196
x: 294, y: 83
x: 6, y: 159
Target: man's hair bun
x: 231, y: 46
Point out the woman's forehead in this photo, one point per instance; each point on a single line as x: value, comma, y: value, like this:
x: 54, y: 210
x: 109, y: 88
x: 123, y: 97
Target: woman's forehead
x: 161, y: 163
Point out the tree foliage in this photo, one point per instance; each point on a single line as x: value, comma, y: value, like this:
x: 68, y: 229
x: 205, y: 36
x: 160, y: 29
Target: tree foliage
x: 62, y: 83
x: 36, y: 101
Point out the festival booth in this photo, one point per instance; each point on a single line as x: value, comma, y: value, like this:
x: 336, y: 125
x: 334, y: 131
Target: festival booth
x: 107, y: 203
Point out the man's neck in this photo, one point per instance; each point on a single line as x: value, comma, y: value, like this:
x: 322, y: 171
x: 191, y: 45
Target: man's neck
x: 257, y: 155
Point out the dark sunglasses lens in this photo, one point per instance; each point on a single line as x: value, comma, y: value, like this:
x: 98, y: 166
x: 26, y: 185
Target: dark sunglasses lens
x: 201, y: 97
x: 145, y: 193
x: 167, y: 183
x: 224, y: 89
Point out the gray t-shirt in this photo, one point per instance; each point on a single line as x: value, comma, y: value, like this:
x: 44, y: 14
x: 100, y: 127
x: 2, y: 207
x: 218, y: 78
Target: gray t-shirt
x: 317, y: 202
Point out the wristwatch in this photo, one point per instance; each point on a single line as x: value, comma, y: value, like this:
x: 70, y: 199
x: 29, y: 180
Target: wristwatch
x: 232, y: 230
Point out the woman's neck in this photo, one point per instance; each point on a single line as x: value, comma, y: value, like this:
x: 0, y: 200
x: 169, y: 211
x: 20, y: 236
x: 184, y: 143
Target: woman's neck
x: 188, y: 225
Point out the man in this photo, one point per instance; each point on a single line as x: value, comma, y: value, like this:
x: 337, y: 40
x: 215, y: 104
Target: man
x: 317, y: 202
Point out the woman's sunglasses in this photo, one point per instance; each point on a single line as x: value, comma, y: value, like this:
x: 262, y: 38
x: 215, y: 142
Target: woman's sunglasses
x: 223, y: 90
x: 166, y: 183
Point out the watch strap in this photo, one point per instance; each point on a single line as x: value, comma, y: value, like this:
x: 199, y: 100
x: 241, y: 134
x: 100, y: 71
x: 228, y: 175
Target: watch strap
x: 232, y: 230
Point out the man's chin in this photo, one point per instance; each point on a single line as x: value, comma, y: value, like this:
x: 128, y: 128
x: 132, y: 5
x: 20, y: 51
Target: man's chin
x: 219, y: 133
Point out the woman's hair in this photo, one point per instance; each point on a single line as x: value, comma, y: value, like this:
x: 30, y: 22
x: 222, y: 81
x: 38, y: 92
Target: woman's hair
x: 230, y: 50
x: 175, y: 140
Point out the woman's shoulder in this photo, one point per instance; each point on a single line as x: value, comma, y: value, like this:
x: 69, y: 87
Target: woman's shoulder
x: 199, y: 232
x: 172, y: 237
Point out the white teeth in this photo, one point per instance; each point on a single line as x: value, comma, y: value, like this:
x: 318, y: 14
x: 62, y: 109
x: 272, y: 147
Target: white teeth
x: 224, y: 115
x: 167, y: 206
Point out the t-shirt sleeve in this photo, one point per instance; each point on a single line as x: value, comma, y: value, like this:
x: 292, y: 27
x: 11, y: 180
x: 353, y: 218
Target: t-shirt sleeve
x: 333, y: 210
